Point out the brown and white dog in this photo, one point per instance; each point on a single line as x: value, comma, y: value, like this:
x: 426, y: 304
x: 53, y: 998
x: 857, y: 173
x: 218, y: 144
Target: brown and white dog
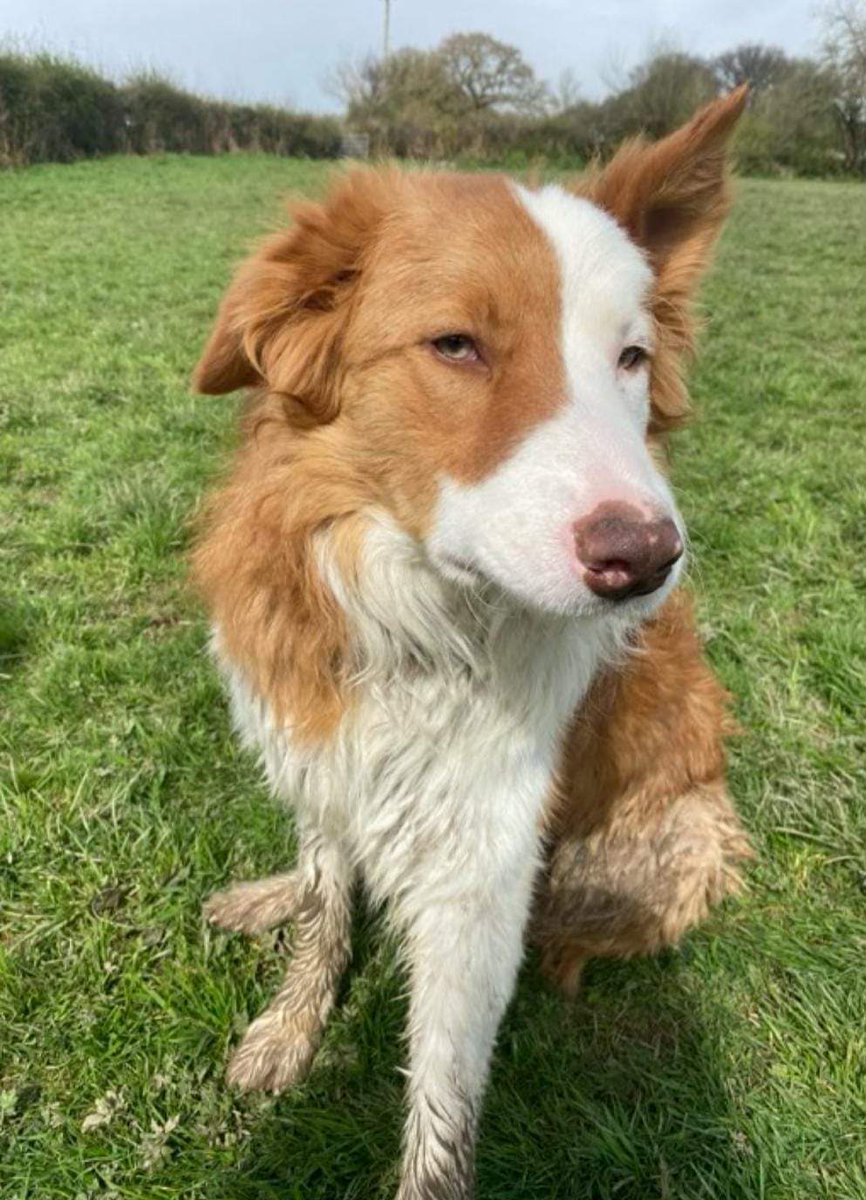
x: 441, y: 577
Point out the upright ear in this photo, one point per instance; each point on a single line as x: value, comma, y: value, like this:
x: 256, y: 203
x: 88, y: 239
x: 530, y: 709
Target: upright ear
x: 280, y: 323
x: 672, y: 198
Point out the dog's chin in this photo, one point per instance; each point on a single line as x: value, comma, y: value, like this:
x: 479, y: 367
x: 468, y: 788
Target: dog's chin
x: 575, y: 601
x: 631, y: 611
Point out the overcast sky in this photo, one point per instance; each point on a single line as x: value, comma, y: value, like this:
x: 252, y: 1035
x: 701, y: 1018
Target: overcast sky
x: 282, y: 50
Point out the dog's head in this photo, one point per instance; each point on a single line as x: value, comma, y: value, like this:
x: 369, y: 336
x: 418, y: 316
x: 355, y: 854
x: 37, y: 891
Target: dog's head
x: 497, y: 361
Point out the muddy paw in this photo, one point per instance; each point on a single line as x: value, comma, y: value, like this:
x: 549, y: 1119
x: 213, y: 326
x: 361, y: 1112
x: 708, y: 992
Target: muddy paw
x: 275, y: 1054
x: 253, y: 906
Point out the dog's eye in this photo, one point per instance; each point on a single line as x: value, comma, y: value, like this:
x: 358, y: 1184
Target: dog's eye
x: 456, y: 347
x: 632, y: 357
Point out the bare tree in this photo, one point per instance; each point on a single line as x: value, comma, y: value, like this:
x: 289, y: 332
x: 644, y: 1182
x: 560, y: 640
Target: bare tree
x: 347, y: 80
x: 406, y: 103
x: 791, y: 125
x: 490, y: 74
x: 759, y: 66
x: 474, y: 95
x: 566, y: 94
x: 662, y: 92
x: 845, y: 56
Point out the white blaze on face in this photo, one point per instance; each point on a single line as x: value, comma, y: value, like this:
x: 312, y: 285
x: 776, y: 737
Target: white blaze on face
x: 516, y: 525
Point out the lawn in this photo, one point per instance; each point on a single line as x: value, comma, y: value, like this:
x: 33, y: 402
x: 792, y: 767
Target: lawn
x: 735, y: 1068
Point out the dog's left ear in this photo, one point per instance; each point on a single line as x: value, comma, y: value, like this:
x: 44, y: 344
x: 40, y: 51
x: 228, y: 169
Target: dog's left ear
x: 672, y: 196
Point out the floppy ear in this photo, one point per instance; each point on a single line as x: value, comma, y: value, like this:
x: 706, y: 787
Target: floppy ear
x: 672, y: 198
x: 223, y: 365
x: 280, y: 323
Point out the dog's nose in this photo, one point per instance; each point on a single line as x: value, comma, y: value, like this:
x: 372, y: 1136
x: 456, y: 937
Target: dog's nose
x: 623, y: 553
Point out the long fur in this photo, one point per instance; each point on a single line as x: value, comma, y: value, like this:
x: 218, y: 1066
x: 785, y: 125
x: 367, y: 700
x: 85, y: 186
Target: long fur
x: 453, y: 715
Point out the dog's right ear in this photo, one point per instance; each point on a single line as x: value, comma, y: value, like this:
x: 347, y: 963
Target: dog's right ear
x: 672, y: 196
x: 280, y: 323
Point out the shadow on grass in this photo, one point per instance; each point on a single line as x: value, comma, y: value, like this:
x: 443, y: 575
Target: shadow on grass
x: 620, y: 1094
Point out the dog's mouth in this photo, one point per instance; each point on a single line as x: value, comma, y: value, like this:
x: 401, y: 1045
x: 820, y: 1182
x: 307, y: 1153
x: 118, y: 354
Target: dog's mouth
x: 469, y: 576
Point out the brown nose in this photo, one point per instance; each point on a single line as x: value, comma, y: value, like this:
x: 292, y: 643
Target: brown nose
x: 622, y: 553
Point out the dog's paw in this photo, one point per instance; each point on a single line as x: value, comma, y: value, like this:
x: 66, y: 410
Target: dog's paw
x: 254, y: 906
x: 434, y: 1184
x: 276, y: 1053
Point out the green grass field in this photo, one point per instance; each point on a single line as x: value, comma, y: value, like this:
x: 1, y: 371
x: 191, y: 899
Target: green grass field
x: 733, y: 1068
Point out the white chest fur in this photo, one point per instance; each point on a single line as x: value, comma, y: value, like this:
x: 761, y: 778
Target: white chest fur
x: 449, y: 747
x: 432, y: 787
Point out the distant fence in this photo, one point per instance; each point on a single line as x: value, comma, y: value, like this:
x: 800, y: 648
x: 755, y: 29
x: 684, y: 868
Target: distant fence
x: 55, y: 110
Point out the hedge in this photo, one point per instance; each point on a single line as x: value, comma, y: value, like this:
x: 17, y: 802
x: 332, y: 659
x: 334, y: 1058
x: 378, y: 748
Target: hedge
x: 57, y: 110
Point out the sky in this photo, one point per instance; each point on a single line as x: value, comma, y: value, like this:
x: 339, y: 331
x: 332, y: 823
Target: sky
x: 282, y: 51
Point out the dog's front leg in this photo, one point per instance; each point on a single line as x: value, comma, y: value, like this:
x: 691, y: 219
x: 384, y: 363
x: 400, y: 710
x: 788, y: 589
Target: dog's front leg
x: 278, y: 1048
x: 465, y: 947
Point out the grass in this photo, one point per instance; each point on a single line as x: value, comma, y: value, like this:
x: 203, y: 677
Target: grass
x: 735, y: 1068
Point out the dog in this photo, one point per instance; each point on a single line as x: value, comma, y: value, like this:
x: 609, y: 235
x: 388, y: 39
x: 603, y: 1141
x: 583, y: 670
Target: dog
x: 443, y: 583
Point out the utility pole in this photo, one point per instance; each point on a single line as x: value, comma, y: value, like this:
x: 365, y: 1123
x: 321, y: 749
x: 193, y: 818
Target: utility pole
x: 386, y: 30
